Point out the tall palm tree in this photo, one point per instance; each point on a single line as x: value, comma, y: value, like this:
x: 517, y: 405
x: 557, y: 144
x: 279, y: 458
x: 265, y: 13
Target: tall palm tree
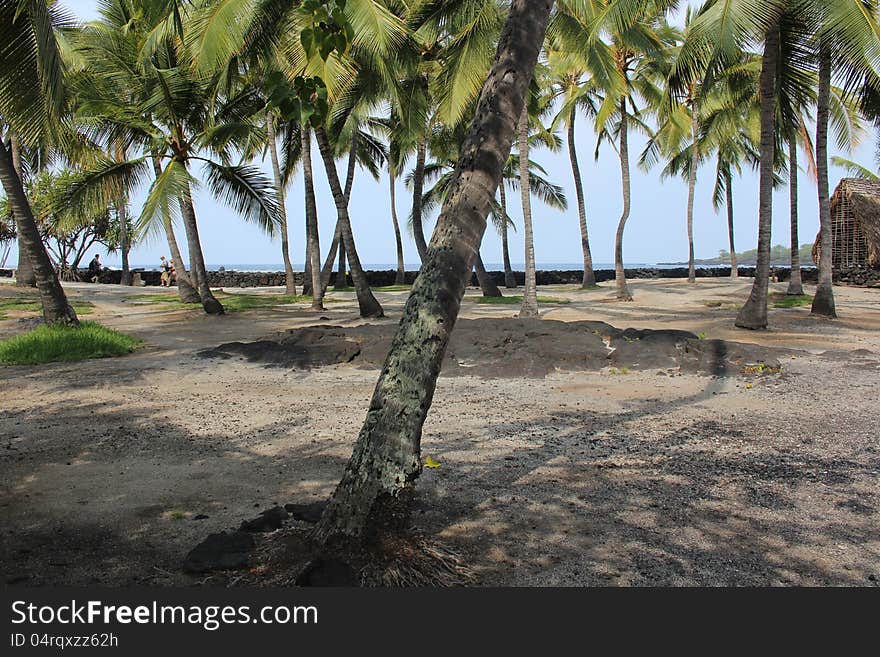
x: 578, y: 96
x: 846, y: 28
x: 32, y: 99
x: 623, y: 70
x: 377, y: 486
x: 289, y: 281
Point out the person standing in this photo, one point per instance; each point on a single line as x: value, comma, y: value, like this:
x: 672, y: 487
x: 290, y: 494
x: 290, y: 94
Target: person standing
x: 95, y: 269
x: 166, y: 268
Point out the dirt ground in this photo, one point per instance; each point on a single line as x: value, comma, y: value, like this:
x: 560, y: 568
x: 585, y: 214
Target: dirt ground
x: 112, y: 470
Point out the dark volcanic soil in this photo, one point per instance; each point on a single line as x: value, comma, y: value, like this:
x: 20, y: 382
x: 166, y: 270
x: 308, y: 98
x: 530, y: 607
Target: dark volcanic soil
x: 513, y: 348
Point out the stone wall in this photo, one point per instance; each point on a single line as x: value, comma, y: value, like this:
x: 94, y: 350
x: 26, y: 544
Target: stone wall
x: 245, y: 279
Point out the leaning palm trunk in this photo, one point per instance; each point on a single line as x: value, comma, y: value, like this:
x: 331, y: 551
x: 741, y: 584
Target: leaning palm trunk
x: 795, y: 283
x: 369, y: 306
x: 52, y: 297
x: 327, y: 269
x: 311, y: 209
x: 509, y: 277
x: 529, y: 306
x: 341, y: 281
x: 185, y: 288
x: 377, y: 486
x: 823, y: 302
x: 734, y: 268
x: 753, y: 315
x: 196, y: 259
x: 589, y: 279
x: 342, y: 277
x: 24, y: 275
x: 289, y: 280
x: 418, y: 188
x: 487, y: 285
x: 623, y: 292
x: 692, y: 187
x: 400, y: 277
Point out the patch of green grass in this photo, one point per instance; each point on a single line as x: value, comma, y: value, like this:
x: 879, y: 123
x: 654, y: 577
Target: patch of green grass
x: 28, y: 304
x: 702, y: 335
x: 791, y: 301
x: 394, y: 288
x: 513, y: 300
x: 232, y: 303
x: 618, y: 372
x: 177, y: 515
x: 52, y: 343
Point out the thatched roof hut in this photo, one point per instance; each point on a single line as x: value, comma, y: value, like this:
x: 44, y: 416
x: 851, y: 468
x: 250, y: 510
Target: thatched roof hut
x: 855, y: 224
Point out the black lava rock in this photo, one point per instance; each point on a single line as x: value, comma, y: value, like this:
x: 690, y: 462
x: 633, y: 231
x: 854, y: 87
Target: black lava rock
x: 223, y: 551
x: 267, y: 521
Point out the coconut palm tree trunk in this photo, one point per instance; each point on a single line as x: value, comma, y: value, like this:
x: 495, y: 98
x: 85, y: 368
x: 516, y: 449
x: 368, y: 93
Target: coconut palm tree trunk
x: 509, y: 277
x: 376, y: 488
x: 342, y: 276
x: 369, y: 306
x: 418, y: 189
x: 823, y: 302
x: 52, y: 297
x: 692, y: 188
x: 487, y: 285
x: 623, y: 292
x: 327, y: 269
x: 753, y: 315
x: 289, y: 280
x: 196, y: 258
x: 795, y: 282
x: 311, y: 209
x: 341, y: 281
x: 122, y: 216
x: 185, y: 289
x: 400, y: 277
x: 529, y: 306
x: 734, y: 268
x: 589, y: 279
x: 24, y: 274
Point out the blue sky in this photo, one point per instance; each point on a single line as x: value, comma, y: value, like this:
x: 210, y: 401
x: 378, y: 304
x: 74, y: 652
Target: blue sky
x: 655, y: 231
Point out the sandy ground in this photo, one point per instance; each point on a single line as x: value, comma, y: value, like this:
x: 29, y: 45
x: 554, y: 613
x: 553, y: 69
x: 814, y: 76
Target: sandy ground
x: 578, y: 478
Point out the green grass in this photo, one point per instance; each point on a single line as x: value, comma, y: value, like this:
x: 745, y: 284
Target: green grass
x: 394, y: 288
x: 52, y: 343
x: 791, y: 301
x: 513, y: 300
x: 232, y: 303
x: 30, y: 304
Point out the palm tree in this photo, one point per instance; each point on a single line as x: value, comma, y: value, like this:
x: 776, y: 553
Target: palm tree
x: 529, y: 306
x: 845, y: 29
x: 32, y: 98
x: 623, y: 70
x: 367, y: 303
x: 289, y: 281
x: 376, y: 488
x: 578, y: 96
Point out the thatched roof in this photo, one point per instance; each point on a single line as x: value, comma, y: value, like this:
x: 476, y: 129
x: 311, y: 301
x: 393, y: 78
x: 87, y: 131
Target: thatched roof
x: 864, y: 201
